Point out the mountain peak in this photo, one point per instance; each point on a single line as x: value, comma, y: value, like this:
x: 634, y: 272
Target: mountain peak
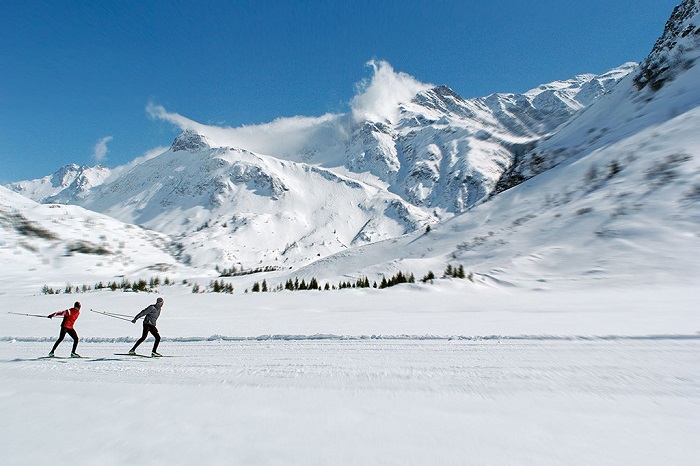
x: 65, y: 175
x: 676, y: 50
x: 190, y: 140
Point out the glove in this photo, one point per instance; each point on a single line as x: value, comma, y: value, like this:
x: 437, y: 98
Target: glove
x: 50, y: 317
x: 133, y: 321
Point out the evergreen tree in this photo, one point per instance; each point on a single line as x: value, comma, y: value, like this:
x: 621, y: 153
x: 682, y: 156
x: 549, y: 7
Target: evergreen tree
x: 264, y: 286
x: 256, y: 287
x: 448, y: 271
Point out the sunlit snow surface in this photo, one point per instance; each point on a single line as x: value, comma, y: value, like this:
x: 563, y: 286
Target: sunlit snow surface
x: 355, y: 402
x: 452, y: 373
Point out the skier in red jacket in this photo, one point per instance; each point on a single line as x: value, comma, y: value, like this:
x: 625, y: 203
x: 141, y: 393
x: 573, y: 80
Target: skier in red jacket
x: 69, y: 318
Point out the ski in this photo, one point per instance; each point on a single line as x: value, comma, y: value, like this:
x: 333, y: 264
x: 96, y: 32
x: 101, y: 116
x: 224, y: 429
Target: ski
x: 146, y: 356
x: 64, y: 357
x: 133, y: 355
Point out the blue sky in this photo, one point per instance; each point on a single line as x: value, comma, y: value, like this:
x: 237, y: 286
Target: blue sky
x: 76, y: 77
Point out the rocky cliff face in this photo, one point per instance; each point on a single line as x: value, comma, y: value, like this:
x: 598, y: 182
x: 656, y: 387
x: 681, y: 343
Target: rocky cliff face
x: 675, y: 51
x: 191, y: 141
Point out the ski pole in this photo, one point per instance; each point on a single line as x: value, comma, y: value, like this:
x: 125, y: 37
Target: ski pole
x: 30, y: 315
x: 110, y: 315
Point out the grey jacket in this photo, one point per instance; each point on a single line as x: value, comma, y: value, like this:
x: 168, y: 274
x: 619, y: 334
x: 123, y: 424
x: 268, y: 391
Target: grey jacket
x: 151, y: 314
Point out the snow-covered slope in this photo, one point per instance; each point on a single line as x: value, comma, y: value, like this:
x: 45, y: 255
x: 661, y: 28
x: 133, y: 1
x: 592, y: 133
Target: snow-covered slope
x: 627, y: 213
x: 69, y: 244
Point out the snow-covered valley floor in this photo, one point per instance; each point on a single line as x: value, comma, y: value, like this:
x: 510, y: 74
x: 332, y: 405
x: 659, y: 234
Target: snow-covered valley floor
x: 618, y: 401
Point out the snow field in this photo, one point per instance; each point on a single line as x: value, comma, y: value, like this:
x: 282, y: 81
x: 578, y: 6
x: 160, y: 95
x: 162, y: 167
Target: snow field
x: 359, y: 377
x: 354, y: 402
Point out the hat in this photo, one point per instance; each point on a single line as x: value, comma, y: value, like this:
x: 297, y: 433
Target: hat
x: 159, y: 300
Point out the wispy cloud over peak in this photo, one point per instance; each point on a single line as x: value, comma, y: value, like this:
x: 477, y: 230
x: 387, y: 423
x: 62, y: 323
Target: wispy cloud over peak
x: 378, y: 97
x: 99, y: 153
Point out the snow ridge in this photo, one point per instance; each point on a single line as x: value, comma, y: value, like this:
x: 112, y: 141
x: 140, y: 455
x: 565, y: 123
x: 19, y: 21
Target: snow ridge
x: 332, y: 337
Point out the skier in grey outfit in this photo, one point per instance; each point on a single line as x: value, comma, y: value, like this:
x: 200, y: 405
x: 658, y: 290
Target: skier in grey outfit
x: 150, y: 315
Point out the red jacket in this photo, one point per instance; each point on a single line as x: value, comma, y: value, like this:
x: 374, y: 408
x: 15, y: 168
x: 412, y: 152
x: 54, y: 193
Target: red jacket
x: 69, y: 316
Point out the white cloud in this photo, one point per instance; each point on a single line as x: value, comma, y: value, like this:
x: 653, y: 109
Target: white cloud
x: 158, y: 112
x: 379, y: 97
x: 281, y: 136
x: 99, y: 153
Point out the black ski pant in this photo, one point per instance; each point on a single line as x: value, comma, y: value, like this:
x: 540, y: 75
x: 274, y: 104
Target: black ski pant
x: 146, y: 329
x: 73, y: 334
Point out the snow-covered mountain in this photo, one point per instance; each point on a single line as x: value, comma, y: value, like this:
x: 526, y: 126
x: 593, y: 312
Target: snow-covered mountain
x: 436, y: 150
x: 612, y: 195
x: 438, y: 154
x: 353, y: 193
x: 230, y: 206
x: 69, y: 182
x: 447, y: 153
